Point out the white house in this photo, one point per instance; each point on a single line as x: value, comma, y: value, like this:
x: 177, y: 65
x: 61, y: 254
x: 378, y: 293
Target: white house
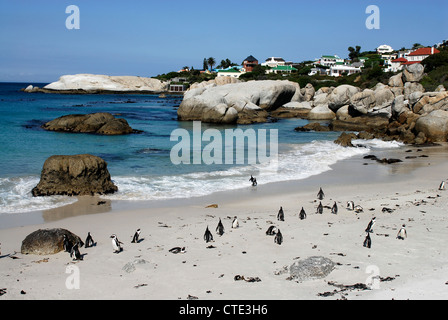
x: 233, y: 72
x: 329, y: 61
x: 273, y: 62
x: 384, y: 49
x: 340, y: 69
x: 420, y: 54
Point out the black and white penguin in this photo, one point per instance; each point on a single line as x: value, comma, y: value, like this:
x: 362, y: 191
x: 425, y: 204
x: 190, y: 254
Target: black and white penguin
x: 253, y: 180
x: 320, y: 194
x: 272, y: 230
x: 281, y: 215
x: 176, y: 250
x: 370, y: 225
x: 136, y: 236
x: 402, y: 234
x: 116, y: 244
x: 358, y: 209
x: 67, y: 244
x: 320, y: 208
x: 367, y: 241
x: 208, y: 235
x: 278, y: 239
x: 442, y: 185
x: 220, y: 228
x: 350, y: 205
x: 89, y: 241
x: 74, y: 253
x: 302, y: 214
x: 334, y: 209
x: 235, y: 223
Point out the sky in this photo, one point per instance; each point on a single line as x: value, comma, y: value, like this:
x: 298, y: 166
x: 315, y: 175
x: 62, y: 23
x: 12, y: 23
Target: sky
x: 146, y: 38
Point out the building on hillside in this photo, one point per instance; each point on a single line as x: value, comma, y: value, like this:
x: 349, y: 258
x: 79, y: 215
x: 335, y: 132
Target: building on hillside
x: 249, y: 63
x: 420, y: 54
x: 273, y: 62
x: 384, y: 49
x: 317, y: 70
x: 329, y: 61
x: 233, y: 72
x: 282, y: 69
x: 180, y: 87
x: 341, y: 69
x: 397, y: 64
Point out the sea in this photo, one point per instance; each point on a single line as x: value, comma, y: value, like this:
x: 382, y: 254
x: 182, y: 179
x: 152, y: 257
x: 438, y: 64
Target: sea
x: 142, y: 165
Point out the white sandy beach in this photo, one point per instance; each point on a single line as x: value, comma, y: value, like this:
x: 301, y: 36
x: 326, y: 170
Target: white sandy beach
x: 417, y: 267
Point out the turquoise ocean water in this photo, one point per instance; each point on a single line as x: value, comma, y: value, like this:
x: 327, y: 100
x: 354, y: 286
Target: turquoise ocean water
x: 139, y: 164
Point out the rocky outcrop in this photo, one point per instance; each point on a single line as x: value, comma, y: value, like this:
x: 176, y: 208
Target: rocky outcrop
x: 74, y: 175
x: 48, y: 241
x: 413, y: 72
x: 315, y: 267
x: 434, y: 125
x: 246, y: 102
x: 100, y: 123
x: 95, y: 83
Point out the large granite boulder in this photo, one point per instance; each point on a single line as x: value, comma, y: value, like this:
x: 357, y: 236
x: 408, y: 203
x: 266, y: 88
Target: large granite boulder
x: 321, y: 112
x: 48, y: 241
x: 315, y: 267
x: 434, y: 126
x: 340, y: 96
x: 74, y: 175
x: 99, y: 123
x: 247, y: 101
x: 413, y: 72
x: 95, y: 83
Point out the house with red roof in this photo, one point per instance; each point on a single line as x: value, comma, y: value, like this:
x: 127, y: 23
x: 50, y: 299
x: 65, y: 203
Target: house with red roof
x: 420, y: 54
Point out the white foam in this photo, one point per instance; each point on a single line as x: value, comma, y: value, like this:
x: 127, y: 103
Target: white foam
x: 377, y: 143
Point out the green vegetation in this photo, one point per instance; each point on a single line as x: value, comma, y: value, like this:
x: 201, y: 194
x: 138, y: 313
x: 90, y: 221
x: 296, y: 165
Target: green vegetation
x: 436, y: 68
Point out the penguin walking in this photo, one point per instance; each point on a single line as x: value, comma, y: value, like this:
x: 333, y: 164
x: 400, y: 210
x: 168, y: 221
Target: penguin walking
x: 67, y: 244
x: 220, y: 228
x: 136, y: 236
x: 302, y: 214
x: 116, y: 244
x: 89, y: 241
x: 367, y: 241
x: 281, y: 215
x: 235, y: 223
x: 278, y: 239
x: 272, y: 230
x: 334, y: 209
x: 370, y: 225
x: 208, y: 235
x: 177, y: 250
x: 253, y: 180
x: 442, y: 185
x: 75, y: 254
x: 350, y: 205
x: 402, y: 234
x: 320, y: 208
x: 320, y: 194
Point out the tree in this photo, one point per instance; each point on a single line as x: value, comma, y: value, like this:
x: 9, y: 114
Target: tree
x: 354, y: 53
x: 205, y: 64
x: 211, y: 62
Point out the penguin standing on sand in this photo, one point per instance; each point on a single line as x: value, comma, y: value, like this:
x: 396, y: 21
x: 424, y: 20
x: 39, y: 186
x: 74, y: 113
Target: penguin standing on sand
x: 116, y: 244
x: 442, y: 185
x: 367, y: 241
x: 220, y: 228
x: 278, y: 239
x: 67, y: 244
x: 320, y: 208
x: 358, y: 209
x: 402, y: 234
x: 208, y: 235
x: 350, y: 205
x: 89, y: 241
x: 334, y: 209
x: 320, y: 194
x: 136, y: 236
x: 281, y: 215
x: 370, y: 225
x: 235, y: 223
x: 74, y: 253
x: 302, y: 214
x: 272, y: 230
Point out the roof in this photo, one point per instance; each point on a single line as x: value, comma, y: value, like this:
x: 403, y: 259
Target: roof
x: 410, y: 62
x: 331, y: 57
x: 251, y: 59
x: 423, y: 52
x: 284, y: 68
x: 230, y: 70
x: 400, y: 60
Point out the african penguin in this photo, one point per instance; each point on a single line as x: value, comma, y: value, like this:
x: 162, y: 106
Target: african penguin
x: 272, y: 230
x: 177, y: 250
x: 278, y: 239
x: 442, y: 185
x: 367, y: 241
x: 208, y: 235
x: 402, y: 234
x: 370, y: 225
x: 89, y: 241
x: 116, y: 244
x: 74, y: 253
x: 320, y: 194
x: 358, y: 209
x: 235, y: 223
x: 350, y: 205
x: 67, y: 244
x: 136, y: 235
x: 281, y: 215
x: 302, y: 214
x: 220, y: 228
x: 334, y: 209
x: 320, y: 208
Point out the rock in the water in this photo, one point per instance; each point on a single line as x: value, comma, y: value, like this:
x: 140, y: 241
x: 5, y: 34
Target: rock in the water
x: 315, y: 267
x: 74, y: 175
x: 99, y: 123
x: 47, y: 241
x: 345, y: 139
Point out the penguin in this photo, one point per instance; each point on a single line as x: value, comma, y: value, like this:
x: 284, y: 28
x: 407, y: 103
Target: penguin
x: 370, y: 225
x: 67, y: 244
x: 89, y: 241
x: 442, y: 185
x: 278, y: 239
x: 74, y: 253
x: 320, y: 194
x: 358, y: 209
x: 220, y: 228
x: 208, y: 235
x: 334, y: 209
x: 136, y: 235
x: 320, y: 208
x: 235, y: 223
x: 272, y: 230
x: 116, y: 244
x: 176, y: 250
x: 402, y: 234
x: 350, y: 205
x: 367, y: 241
x: 254, y: 182
x: 302, y: 214
x: 281, y: 215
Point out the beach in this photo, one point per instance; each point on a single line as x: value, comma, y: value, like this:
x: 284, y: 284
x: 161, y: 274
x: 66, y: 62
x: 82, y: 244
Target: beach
x: 413, y: 268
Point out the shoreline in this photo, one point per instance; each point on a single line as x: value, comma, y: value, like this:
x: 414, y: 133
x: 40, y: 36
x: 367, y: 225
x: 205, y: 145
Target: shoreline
x: 410, y: 269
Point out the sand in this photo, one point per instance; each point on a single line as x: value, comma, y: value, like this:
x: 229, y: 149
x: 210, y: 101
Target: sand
x: 414, y: 268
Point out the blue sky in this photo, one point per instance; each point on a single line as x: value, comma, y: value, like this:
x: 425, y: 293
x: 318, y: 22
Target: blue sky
x: 146, y: 38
